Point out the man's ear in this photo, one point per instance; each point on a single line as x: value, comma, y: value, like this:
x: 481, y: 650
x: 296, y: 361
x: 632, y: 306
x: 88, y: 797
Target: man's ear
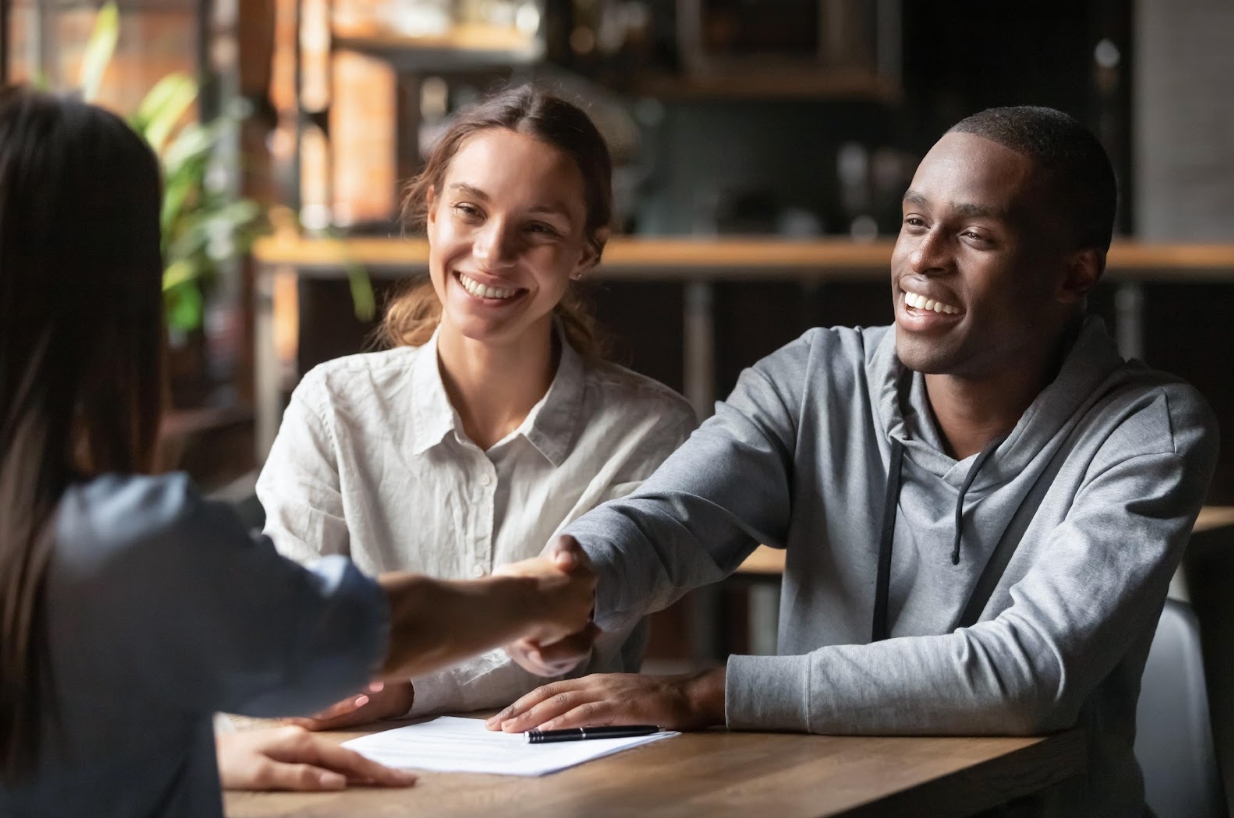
x: 1084, y: 270
x: 592, y: 248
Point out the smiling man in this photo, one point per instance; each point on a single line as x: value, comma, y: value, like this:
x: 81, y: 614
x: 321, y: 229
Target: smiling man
x: 981, y: 505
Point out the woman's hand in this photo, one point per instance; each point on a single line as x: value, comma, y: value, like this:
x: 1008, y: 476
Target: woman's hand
x: 436, y: 623
x: 290, y: 758
x: 689, y: 702
x: 383, y: 701
x: 557, y: 658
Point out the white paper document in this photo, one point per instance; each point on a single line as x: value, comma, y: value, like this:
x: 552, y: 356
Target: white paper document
x: 454, y: 745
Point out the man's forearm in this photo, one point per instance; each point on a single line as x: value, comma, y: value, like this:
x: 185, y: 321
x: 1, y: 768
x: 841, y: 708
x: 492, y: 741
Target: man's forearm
x: 705, y: 697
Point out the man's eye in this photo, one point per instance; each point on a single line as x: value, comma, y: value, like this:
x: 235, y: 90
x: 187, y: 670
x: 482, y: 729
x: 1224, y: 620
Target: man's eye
x: 914, y: 221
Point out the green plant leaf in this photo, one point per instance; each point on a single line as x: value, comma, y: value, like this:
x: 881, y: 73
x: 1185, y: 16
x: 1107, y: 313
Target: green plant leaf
x: 179, y: 194
x: 363, y: 304
x: 184, y: 307
x: 163, y: 108
x: 179, y: 273
x: 99, y: 50
x: 193, y: 142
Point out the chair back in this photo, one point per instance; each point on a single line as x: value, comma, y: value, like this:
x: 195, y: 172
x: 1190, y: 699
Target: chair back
x: 1174, y: 737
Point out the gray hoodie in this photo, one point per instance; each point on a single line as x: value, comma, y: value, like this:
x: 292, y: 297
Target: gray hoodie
x: 1070, y: 531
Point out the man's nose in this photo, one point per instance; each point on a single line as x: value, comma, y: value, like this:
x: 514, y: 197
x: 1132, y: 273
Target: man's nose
x: 932, y: 253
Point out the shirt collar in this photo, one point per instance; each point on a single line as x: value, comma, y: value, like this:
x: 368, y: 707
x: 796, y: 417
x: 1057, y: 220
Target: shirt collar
x: 433, y: 416
x: 550, y: 426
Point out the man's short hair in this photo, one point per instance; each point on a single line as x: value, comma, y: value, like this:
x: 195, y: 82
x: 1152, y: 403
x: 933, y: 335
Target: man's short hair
x: 1078, y: 170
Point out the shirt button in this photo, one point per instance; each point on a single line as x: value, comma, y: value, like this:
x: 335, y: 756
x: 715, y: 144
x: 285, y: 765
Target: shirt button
x: 486, y: 479
x: 477, y: 570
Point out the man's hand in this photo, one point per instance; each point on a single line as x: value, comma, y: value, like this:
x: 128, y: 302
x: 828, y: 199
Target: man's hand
x: 689, y: 702
x: 388, y: 701
x: 567, y: 585
x: 289, y: 758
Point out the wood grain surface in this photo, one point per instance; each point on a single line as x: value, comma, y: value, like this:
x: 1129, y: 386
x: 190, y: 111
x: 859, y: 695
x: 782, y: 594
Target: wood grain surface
x: 718, y: 773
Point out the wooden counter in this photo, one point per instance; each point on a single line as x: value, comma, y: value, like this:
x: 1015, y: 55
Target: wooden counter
x: 726, y: 258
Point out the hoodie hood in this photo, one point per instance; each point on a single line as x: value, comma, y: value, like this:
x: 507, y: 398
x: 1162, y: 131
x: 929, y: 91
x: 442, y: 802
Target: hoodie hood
x: 941, y: 489
x: 905, y: 415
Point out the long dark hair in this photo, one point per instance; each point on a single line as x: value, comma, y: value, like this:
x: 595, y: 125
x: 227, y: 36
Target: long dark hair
x: 80, y: 355
x: 532, y: 111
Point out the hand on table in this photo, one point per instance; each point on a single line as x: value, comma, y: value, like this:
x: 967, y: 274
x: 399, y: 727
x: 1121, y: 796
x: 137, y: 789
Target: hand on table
x: 689, y: 702
x: 290, y: 758
x: 565, y: 575
x: 382, y: 701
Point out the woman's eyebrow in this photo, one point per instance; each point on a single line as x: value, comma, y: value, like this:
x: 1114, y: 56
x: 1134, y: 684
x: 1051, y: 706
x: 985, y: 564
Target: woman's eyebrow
x: 554, y: 209
x: 470, y: 190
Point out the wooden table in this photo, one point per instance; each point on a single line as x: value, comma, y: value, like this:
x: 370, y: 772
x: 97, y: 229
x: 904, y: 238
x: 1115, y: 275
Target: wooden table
x: 727, y: 774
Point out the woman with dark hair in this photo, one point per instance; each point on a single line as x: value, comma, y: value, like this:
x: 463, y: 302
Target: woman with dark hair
x: 130, y: 608
x: 493, y: 421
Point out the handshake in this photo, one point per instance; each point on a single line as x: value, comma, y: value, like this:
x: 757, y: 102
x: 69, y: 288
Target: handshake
x: 538, y: 609
x: 564, y: 634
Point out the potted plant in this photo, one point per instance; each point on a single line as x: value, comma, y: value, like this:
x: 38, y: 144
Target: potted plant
x: 205, y: 226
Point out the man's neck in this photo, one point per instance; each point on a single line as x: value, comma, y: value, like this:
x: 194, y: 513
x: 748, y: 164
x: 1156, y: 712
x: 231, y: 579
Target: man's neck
x: 494, y: 386
x: 973, y: 411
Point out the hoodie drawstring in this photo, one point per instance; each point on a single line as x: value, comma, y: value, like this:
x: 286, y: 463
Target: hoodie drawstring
x: 968, y: 481
x: 891, y: 500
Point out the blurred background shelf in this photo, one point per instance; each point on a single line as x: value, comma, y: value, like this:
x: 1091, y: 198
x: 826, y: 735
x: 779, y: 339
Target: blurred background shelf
x: 462, y: 46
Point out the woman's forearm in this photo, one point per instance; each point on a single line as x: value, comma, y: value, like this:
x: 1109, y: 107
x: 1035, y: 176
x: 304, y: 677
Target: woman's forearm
x: 435, y: 623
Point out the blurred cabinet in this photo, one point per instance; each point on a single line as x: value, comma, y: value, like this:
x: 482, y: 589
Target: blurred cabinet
x: 796, y: 48
x: 356, y: 85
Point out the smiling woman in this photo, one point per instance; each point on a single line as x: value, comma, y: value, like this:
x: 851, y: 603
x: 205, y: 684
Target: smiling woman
x: 493, y: 421
x: 563, y: 134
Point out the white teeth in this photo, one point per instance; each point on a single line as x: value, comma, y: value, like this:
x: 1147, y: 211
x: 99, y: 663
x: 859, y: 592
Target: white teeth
x: 920, y: 302
x: 481, y: 291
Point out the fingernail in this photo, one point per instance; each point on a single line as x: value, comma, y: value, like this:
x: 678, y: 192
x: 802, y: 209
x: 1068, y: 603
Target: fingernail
x: 376, y: 687
x: 332, y: 780
x: 360, y: 701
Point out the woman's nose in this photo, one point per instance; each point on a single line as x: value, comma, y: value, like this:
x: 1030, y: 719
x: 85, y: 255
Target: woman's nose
x: 495, y: 244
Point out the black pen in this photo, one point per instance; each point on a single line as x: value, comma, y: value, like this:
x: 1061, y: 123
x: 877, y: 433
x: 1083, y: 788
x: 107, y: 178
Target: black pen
x: 581, y: 733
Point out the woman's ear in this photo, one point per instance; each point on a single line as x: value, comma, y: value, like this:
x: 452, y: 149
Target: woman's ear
x: 430, y: 212
x: 592, y: 248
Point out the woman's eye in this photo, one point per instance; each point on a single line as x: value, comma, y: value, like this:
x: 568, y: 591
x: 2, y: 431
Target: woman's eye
x: 542, y: 229
x: 467, y: 211
x: 914, y: 221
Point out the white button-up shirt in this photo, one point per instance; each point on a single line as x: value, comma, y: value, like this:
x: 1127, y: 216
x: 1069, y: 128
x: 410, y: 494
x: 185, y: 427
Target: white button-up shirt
x: 372, y: 462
